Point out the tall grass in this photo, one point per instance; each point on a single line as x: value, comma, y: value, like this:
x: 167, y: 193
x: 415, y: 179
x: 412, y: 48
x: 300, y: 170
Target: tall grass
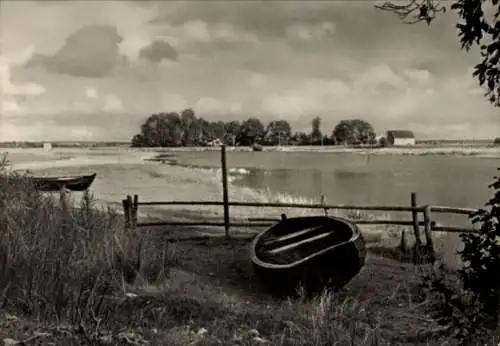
x: 59, y: 263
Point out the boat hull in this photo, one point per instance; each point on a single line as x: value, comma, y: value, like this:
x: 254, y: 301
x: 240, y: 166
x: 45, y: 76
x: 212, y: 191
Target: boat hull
x: 331, y: 267
x: 52, y: 184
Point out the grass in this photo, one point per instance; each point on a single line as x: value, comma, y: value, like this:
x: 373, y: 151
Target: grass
x: 74, y: 275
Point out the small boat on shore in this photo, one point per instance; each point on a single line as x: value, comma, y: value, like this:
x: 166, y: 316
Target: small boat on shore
x: 257, y: 147
x: 310, y: 252
x: 72, y: 183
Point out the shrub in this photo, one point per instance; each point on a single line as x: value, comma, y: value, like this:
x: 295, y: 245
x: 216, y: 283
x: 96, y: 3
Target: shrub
x: 472, y: 307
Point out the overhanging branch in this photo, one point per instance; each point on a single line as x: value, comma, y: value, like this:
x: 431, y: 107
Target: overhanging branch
x: 414, y: 11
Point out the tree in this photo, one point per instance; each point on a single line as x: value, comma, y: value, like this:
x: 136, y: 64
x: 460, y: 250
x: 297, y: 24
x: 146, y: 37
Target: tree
x: 161, y: 129
x: 475, y: 29
x: 170, y: 129
x: 278, y: 132
x: 316, y: 134
x: 383, y: 142
x: 301, y: 138
x: 218, y: 129
x: 231, y: 132
x: 352, y: 132
x: 251, y: 131
x: 190, y: 128
x: 332, y: 139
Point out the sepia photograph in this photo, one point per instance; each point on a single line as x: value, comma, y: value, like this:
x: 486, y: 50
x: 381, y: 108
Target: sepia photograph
x: 250, y: 172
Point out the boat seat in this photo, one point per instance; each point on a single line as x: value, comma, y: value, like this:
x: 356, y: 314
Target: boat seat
x: 297, y: 244
x: 292, y: 235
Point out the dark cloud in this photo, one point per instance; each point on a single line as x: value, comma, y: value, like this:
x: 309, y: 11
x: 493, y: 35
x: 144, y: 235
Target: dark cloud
x: 362, y: 32
x: 91, y: 51
x: 356, y: 22
x: 159, y: 50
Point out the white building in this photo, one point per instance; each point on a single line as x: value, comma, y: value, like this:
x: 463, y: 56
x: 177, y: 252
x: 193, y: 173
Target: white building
x: 47, y: 146
x: 401, y: 138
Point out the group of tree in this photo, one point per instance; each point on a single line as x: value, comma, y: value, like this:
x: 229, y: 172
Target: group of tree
x: 186, y: 129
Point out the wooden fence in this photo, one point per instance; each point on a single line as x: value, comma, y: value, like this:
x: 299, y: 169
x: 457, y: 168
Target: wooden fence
x: 131, y: 205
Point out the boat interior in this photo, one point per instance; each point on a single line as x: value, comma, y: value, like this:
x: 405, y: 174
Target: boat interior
x: 286, y: 247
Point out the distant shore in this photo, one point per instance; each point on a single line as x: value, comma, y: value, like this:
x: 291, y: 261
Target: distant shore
x: 470, y: 150
x: 420, y: 150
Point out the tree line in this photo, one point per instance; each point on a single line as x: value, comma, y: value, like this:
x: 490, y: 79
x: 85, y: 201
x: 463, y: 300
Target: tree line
x: 185, y: 129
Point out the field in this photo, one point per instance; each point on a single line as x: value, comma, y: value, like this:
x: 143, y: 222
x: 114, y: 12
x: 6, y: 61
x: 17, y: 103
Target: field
x: 78, y: 277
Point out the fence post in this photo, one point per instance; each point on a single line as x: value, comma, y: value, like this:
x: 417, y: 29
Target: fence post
x: 428, y: 227
x: 416, y: 228
x: 125, y: 212
x: 323, y: 202
x: 63, y: 197
x: 134, y: 211
x: 130, y: 211
x: 225, y: 196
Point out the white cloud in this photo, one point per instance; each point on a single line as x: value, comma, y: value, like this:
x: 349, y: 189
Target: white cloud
x: 18, y: 57
x: 309, y: 96
x: 418, y: 75
x: 197, y: 31
x: 81, y: 133
x: 43, y: 132
x: 210, y: 105
x: 173, y: 101
x: 10, y: 107
x: 257, y: 80
x: 308, y: 32
x: 11, y: 132
x: 291, y: 106
x: 113, y: 103
x: 376, y: 77
x: 91, y: 93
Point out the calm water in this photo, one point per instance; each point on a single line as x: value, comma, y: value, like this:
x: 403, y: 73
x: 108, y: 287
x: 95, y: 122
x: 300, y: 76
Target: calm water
x: 361, y: 179
x: 344, y: 178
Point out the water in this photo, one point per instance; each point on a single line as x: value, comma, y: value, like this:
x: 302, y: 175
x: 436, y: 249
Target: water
x: 343, y: 178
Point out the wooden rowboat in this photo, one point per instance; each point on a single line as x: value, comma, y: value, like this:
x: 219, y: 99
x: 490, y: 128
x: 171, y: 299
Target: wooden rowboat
x: 72, y: 183
x: 313, y: 252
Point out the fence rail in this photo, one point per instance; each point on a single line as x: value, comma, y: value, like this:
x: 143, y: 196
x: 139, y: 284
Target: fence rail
x: 131, y: 205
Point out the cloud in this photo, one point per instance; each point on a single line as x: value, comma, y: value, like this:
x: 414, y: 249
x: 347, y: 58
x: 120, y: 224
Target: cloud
x: 173, y: 101
x: 273, y: 60
x: 112, y: 103
x: 210, y: 105
x: 91, y: 93
x: 159, y: 50
x: 91, y: 51
x: 9, y: 88
x: 10, y: 106
x: 304, y: 32
x: 46, y: 132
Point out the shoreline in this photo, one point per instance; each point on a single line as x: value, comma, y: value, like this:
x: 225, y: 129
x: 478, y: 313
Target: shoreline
x: 418, y: 150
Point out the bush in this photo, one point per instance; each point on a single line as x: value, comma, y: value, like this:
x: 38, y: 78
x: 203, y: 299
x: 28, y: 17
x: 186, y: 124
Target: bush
x: 472, y: 307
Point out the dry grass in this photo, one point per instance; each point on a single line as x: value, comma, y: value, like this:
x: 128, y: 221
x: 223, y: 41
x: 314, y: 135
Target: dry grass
x: 77, y: 277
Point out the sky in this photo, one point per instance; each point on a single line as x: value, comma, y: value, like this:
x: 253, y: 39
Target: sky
x: 96, y: 70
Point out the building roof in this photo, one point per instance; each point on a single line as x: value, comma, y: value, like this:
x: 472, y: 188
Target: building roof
x: 400, y: 134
